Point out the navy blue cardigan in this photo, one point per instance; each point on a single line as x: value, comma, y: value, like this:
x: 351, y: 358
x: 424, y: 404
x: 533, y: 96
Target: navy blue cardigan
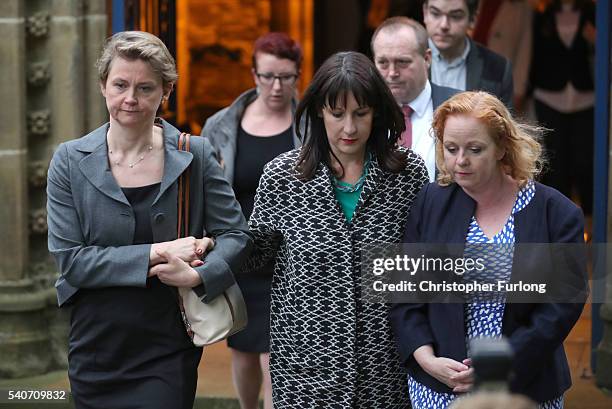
x: 535, y: 331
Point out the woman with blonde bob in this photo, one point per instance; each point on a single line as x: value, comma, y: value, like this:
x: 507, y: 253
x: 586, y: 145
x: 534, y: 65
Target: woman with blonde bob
x: 112, y: 216
x: 486, y: 193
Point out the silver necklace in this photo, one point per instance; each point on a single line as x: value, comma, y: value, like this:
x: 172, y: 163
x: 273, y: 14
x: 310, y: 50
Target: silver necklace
x: 137, y: 161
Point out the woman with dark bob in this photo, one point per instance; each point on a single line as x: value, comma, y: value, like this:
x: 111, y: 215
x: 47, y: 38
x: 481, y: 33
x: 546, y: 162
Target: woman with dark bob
x: 315, y: 209
x: 486, y: 194
x: 253, y: 130
x: 112, y: 215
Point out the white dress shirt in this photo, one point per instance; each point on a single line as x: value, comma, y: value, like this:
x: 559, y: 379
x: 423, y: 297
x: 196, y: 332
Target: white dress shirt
x: 423, y: 141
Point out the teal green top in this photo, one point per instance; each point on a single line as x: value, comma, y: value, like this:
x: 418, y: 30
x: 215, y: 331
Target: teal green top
x: 348, y: 200
x: 347, y: 194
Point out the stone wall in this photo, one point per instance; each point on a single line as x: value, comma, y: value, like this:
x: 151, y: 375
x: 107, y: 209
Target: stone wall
x: 50, y: 94
x: 214, y: 46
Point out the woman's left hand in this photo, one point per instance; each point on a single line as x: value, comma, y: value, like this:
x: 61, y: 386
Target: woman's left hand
x: 203, y: 246
x: 464, y: 379
x: 176, y: 272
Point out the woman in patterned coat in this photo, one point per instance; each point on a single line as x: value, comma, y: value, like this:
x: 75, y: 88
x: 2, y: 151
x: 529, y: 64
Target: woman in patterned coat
x: 315, y: 209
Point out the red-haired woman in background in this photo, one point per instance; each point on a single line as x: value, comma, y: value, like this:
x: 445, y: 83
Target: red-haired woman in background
x: 249, y: 133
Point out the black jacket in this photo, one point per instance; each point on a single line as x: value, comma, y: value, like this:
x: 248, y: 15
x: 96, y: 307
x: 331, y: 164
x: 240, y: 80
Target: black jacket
x: 553, y: 65
x: 489, y: 71
x: 535, y: 331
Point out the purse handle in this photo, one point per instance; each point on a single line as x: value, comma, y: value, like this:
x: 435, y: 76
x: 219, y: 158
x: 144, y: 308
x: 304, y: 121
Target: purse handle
x: 183, y: 190
x: 183, y: 218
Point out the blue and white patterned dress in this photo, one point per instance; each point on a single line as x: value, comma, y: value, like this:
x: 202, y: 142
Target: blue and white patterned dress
x: 483, y: 318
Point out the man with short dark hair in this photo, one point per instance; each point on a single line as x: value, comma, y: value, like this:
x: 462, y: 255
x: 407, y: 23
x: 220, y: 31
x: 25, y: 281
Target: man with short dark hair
x: 459, y: 62
x: 402, y: 56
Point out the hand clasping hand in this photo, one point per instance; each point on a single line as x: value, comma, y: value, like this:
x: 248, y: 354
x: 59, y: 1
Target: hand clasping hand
x: 176, y: 272
x: 173, y: 270
x: 464, y: 379
x: 188, y: 249
x: 456, y: 375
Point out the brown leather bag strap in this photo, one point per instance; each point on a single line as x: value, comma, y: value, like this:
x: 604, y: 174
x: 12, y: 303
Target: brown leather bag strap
x: 187, y: 187
x: 183, y: 190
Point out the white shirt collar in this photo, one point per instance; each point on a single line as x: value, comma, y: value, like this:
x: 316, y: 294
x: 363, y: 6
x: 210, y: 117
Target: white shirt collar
x: 419, y: 104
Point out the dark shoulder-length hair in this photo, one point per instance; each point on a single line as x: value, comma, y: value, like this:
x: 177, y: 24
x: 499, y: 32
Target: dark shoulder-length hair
x: 343, y: 73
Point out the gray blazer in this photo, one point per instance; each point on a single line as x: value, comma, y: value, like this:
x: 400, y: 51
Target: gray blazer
x: 222, y: 130
x: 91, y: 223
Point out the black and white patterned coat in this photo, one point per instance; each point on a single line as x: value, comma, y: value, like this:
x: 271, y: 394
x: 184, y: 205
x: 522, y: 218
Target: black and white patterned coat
x: 329, y: 349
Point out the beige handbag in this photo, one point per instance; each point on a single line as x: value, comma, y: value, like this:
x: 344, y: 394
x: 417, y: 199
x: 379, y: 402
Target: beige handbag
x: 206, y: 323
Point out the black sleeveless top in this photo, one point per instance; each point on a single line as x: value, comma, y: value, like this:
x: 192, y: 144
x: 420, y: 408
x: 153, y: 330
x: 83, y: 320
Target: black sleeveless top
x: 252, y: 154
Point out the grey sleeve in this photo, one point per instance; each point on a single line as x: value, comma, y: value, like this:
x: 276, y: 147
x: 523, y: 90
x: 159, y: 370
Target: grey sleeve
x: 82, y: 265
x: 223, y: 219
x: 207, y: 132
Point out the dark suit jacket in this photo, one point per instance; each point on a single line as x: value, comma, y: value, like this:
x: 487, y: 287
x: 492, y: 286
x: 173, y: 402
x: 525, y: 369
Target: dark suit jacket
x: 489, y: 71
x: 440, y: 94
x: 535, y: 331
